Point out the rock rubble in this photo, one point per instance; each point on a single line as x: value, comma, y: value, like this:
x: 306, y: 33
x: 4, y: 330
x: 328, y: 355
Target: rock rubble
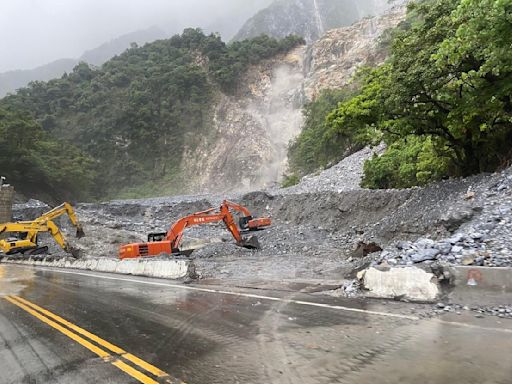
x: 343, y: 176
x: 476, y: 235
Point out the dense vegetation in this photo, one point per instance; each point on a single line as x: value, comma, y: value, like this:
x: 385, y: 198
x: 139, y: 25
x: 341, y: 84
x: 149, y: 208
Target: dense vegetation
x: 39, y: 165
x: 310, y: 151
x: 135, y: 115
x: 442, y: 102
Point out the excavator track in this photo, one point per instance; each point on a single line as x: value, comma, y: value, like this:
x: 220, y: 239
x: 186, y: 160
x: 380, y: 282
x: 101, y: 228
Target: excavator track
x: 37, y: 251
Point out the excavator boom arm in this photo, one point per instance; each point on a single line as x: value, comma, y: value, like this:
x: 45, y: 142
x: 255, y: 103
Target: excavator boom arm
x: 238, y: 207
x: 60, y: 239
x: 247, y: 222
x: 62, y: 209
x: 175, y: 234
x: 44, y: 223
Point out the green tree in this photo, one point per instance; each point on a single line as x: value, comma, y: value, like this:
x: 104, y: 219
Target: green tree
x: 36, y: 163
x: 313, y: 148
x: 448, y: 82
x: 138, y: 113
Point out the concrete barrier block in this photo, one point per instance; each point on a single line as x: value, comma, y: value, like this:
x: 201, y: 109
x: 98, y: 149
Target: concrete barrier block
x: 471, y: 284
x: 126, y: 267
x: 409, y: 283
x: 106, y: 265
x: 78, y: 264
x: 167, y: 269
x: 91, y: 264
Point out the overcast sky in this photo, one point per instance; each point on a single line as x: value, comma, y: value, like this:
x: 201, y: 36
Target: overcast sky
x: 35, y: 32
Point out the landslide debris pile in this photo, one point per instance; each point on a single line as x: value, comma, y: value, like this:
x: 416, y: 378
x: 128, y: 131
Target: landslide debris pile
x: 478, y: 230
x: 321, y: 232
x: 344, y: 176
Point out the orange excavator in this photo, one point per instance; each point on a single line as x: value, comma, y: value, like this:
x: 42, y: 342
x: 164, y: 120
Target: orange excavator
x: 168, y: 243
x: 247, y: 222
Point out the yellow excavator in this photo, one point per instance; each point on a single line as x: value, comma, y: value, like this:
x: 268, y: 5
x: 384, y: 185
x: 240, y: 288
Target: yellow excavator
x: 25, y: 233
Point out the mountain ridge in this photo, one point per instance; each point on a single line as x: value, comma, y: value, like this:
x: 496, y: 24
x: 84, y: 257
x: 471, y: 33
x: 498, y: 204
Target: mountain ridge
x: 308, y: 18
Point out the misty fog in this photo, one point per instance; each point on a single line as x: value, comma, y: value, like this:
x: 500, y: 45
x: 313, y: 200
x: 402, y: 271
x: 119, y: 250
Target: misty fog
x: 35, y: 32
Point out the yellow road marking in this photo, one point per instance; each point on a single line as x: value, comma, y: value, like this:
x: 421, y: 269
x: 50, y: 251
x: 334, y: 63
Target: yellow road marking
x: 128, y: 356
x: 33, y: 310
x: 74, y: 327
x: 134, y: 373
x: 141, y: 363
x: 100, y: 352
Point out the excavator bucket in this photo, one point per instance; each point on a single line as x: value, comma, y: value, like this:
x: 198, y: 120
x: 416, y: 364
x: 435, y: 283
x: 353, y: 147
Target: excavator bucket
x: 250, y: 242
x: 75, y: 252
x: 79, y: 232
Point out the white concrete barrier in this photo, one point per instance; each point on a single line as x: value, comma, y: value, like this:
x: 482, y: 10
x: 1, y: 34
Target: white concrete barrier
x: 166, y: 269
x: 409, y: 283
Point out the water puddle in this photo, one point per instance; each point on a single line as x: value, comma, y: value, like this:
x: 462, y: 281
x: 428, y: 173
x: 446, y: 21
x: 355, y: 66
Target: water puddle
x: 13, y: 280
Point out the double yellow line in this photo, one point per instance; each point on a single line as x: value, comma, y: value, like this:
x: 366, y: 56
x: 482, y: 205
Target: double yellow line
x: 110, y: 353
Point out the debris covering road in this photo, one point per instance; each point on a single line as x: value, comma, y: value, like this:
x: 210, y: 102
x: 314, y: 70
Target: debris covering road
x: 322, y: 232
x: 237, y: 336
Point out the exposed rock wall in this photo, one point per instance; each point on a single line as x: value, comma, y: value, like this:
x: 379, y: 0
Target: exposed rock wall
x: 308, y: 18
x: 332, y: 60
x: 246, y: 147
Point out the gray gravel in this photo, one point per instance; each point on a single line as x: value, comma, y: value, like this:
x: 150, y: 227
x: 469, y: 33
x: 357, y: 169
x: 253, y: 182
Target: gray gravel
x: 343, y: 176
x: 479, y: 234
x: 502, y: 311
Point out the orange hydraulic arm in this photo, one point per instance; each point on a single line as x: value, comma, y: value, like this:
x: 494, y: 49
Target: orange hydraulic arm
x: 175, y: 234
x: 170, y: 243
x: 247, y: 222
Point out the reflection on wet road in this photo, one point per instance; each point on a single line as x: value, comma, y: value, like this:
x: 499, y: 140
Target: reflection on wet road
x: 169, y: 333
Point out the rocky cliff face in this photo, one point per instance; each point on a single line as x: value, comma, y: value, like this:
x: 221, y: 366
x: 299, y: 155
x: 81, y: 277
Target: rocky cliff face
x: 334, y: 58
x: 308, y: 18
x: 247, y: 146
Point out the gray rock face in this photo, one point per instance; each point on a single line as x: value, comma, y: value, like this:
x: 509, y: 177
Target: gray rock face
x: 250, y: 132
x: 308, y: 18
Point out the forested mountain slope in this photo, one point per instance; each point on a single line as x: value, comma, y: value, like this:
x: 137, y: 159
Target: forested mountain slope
x: 132, y: 118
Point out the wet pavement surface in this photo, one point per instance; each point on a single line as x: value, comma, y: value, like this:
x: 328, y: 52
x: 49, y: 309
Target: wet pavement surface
x: 199, y: 335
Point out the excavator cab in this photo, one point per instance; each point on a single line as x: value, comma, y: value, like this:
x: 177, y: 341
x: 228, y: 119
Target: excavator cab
x: 153, y: 237
x: 243, y: 222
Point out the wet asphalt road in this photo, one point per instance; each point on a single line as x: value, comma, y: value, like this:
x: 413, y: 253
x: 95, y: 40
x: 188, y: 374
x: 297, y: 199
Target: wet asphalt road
x: 198, y: 336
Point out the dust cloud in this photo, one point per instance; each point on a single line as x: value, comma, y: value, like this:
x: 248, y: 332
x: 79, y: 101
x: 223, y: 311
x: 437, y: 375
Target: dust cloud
x: 282, y: 118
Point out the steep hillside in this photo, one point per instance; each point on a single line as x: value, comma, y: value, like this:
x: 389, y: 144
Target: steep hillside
x: 180, y: 116
x: 246, y: 147
x: 251, y: 130
x: 332, y: 60
x: 441, y: 101
x: 308, y: 18
x: 140, y: 113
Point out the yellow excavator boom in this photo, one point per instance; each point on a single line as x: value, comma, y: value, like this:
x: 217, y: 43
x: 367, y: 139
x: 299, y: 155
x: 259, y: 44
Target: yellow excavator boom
x: 30, y: 230
x: 62, y: 209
